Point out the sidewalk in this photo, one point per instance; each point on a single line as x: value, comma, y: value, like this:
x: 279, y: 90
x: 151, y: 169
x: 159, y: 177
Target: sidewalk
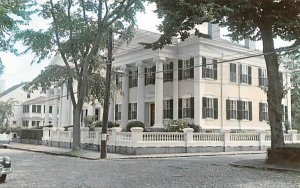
x: 95, y: 155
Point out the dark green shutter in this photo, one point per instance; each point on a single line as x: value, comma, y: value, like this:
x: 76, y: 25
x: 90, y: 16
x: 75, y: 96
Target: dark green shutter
x: 146, y: 76
x: 153, y: 74
x: 232, y: 69
x: 260, y: 111
x: 192, y: 67
x: 180, y: 109
x: 203, y: 66
x: 260, y: 77
x: 239, y: 109
x: 129, y: 111
x: 249, y: 76
x: 286, y: 113
x: 215, y: 108
x: 215, y: 64
x: 116, y: 111
x: 171, y: 106
x: 250, y: 110
x: 171, y: 72
x: 240, y: 73
x: 180, y: 69
x: 204, y: 107
x: 192, y: 107
x: 228, y: 109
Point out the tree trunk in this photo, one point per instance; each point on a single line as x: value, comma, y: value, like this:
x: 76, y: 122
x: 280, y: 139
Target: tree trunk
x: 76, y: 127
x: 274, y: 92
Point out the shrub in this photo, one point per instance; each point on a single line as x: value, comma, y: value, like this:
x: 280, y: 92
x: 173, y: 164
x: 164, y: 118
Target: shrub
x: 177, y: 126
x: 288, y: 154
x: 134, y: 124
x: 109, y: 124
x: 195, y: 127
x: 35, y: 134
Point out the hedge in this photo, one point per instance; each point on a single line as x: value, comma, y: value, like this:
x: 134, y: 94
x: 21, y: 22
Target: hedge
x: 34, y: 134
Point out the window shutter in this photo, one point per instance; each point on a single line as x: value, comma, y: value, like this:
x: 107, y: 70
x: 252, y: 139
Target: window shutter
x: 250, y: 110
x: 228, y: 109
x: 249, y: 75
x: 286, y: 113
x: 203, y: 66
x: 215, y: 64
x: 282, y: 112
x: 116, y: 112
x: 204, y: 107
x: 192, y: 67
x: 180, y: 69
x: 259, y: 77
x: 153, y: 74
x: 171, y: 106
x: 146, y: 77
x: 233, y: 69
x: 260, y: 111
x: 180, y: 109
x: 192, y: 107
x: 171, y: 71
x: 240, y: 73
x: 129, y: 111
x: 239, y: 109
x: 215, y: 108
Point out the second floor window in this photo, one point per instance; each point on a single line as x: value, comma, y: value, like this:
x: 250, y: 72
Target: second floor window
x: 119, y: 81
x: 245, y: 74
x: 262, y: 77
x: 232, y: 72
x: 168, y: 72
x: 150, y: 75
x: 36, y: 108
x: 186, y: 69
x: 133, y: 78
x: 209, y: 68
x: 25, y: 108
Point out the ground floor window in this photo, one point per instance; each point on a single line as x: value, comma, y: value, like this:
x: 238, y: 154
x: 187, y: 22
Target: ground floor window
x: 168, y: 109
x: 35, y: 123
x: 209, y: 108
x: 25, y: 123
x: 132, y: 111
x: 263, y: 112
x: 186, y: 108
x: 118, y: 112
x: 231, y: 109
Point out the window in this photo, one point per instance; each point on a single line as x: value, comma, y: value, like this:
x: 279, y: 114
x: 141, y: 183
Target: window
x: 262, y: 77
x: 245, y: 74
x: 50, y: 109
x: 210, y: 108
x: 263, y: 112
x: 35, y: 123
x: 28, y: 95
x: 210, y: 69
x: 244, y: 110
x: 168, y: 109
x: 232, y: 72
x: 186, y: 69
x: 25, y: 123
x: 97, y: 114
x: 132, y: 111
x: 118, y: 112
x: 133, y: 79
x: 25, y: 108
x: 231, y: 109
x: 168, y: 72
x: 36, y: 109
x: 186, y: 108
x: 150, y: 75
x: 119, y: 81
x: 14, y: 122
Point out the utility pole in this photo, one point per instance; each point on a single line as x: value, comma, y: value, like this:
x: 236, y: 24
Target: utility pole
x: 106, y: 97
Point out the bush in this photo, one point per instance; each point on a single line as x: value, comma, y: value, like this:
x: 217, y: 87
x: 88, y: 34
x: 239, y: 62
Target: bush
x: 34, y: 134
x: 134, y: 124
x: 288, y: 154
x: 177, y: 126
x: 109, y: 124
x: 195, y: 127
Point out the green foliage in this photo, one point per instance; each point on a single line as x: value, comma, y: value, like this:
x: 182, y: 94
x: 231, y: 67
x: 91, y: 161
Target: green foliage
x: 34, y: 134
x: 109, y: 124
x: 9, y: 129
x: 1, y: 68
x: 177, y: 126
x: 134, y: 124
x: 6, y: 111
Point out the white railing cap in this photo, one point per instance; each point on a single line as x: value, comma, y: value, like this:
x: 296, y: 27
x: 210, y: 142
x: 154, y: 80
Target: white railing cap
x: 137, y: 129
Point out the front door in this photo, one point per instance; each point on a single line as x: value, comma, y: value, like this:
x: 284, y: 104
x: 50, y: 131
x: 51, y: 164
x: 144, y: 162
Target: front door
x: 152, y: 114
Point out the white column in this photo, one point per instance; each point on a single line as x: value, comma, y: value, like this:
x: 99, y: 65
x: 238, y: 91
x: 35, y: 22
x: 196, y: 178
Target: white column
x: 197, y: 100
x: 60, y: 107
x: 201, y: 95
x: 175, y: 90
x: 288, y: 97
x: 46, y: 120
x: 64, y: 111
x: 54, y: 108
x: 159, y: 92
x: 125, y: 97
x: 141, y: 92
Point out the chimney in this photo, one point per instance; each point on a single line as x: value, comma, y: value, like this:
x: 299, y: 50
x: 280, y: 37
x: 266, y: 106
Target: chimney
x: 250, y: 44
x: 214, y: 30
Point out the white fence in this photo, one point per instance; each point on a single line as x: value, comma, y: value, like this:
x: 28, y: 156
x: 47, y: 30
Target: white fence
x: 139, y: 139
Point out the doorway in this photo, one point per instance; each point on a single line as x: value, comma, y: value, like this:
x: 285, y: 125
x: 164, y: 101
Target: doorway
x: 152, y: 114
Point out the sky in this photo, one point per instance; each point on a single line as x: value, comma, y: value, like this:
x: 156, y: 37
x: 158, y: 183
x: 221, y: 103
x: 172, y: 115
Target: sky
x: 19, y: 68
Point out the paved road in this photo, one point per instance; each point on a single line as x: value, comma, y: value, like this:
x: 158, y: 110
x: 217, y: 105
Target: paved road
x: 42, y: 170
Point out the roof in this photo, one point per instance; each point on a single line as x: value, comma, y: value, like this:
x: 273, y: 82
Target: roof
x: 12, y: 89
x: 38, y: 100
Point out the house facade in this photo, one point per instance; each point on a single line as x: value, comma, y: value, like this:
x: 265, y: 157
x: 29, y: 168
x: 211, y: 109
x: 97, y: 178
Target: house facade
x: 209, y: 82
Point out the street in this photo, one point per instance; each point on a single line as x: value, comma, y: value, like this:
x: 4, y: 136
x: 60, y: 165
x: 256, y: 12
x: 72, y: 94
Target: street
x: 41, y: 170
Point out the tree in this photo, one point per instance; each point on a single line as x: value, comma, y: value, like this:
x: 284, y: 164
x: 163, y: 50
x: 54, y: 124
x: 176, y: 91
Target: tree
x: 6, y: 111
x: 78, y: 34
x: 252, y: 19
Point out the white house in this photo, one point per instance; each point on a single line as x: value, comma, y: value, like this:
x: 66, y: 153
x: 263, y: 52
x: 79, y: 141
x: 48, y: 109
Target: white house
x: 208, y: 82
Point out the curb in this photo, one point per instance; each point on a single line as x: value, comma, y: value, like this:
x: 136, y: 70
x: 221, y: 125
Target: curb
x: 278, y: 169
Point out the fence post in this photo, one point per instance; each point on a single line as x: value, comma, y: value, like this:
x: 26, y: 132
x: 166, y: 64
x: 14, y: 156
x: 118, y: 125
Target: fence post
x: 293, y: 134
x: 113, y: 139
x: 46, y: 132
x: 137, y: 135
x: 97, y: 140
x: 262, y: 140
x: 188, y: 137
x: 226, y: 139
